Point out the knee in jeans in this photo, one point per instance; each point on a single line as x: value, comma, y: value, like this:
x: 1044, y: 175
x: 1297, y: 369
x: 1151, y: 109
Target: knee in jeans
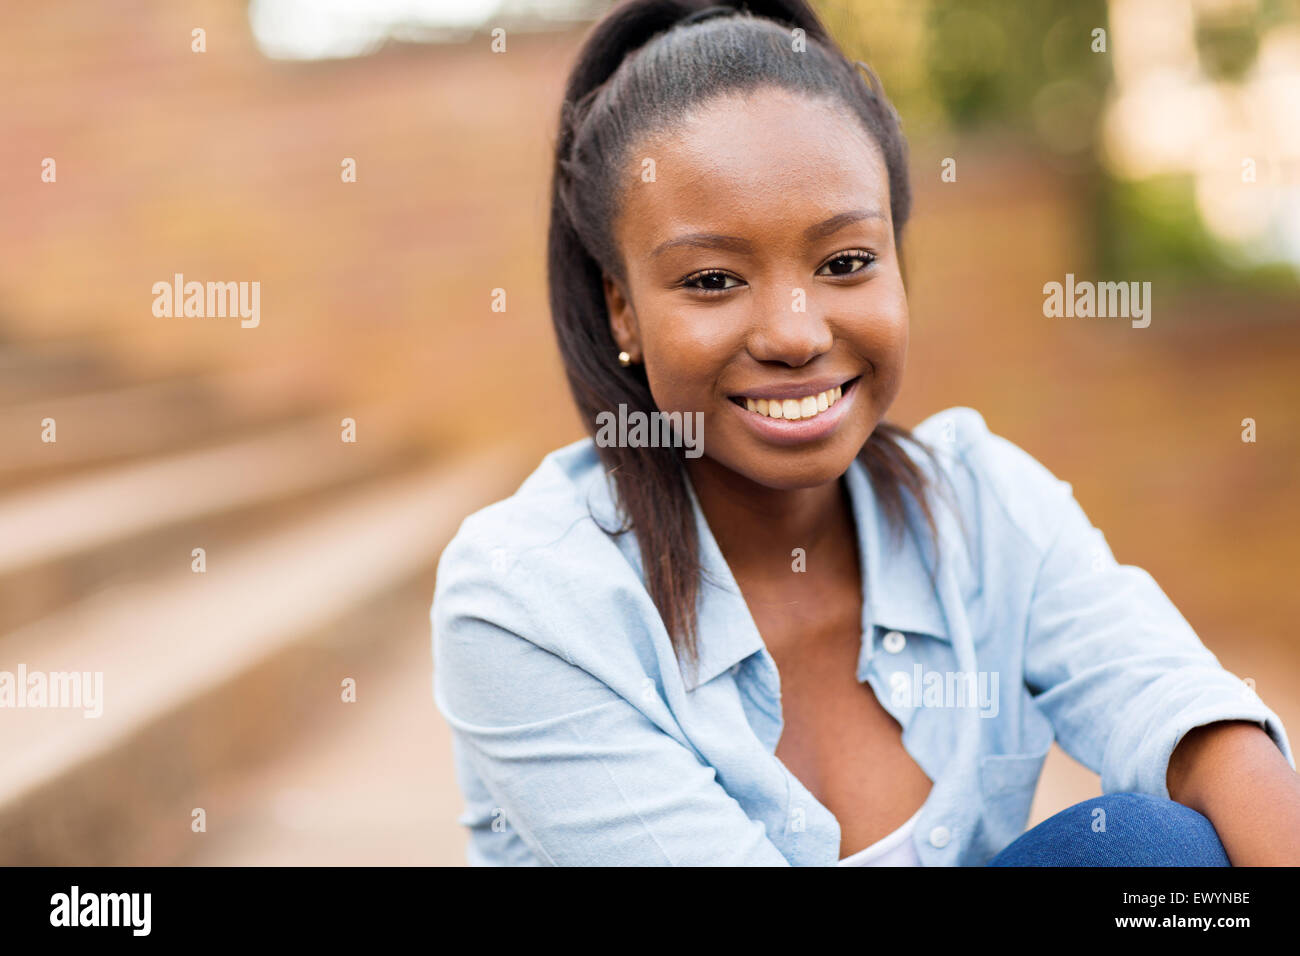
x: 1151, y: 810
x: 1159, y: 820
x: 1121, y: 829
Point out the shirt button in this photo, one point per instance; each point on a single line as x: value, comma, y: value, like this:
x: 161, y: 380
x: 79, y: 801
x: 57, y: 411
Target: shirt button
x: 894, y: 642
x: 939, y: 837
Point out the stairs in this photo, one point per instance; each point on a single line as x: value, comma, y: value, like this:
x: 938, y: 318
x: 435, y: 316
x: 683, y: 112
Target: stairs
x: 319, y: 559
x: 222, y: 688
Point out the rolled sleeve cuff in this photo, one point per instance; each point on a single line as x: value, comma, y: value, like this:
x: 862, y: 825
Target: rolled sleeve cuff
x: 1151, y: 725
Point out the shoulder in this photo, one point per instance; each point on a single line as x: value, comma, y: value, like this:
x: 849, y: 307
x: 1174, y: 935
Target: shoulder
x: 540, y: 512
x: 997, y: 482
x: 538, y: 562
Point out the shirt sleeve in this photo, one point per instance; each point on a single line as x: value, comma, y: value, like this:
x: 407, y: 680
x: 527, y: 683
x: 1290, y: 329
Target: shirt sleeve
x: 578, y: 771
x: 1110, y: 660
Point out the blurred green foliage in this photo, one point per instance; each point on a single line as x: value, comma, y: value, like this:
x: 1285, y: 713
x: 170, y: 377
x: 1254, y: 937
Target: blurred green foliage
x: 1025, y: 71
x: 1151, y: 228
x: 978, y: 63
x: 1227, y: 35
x: 990, y: 60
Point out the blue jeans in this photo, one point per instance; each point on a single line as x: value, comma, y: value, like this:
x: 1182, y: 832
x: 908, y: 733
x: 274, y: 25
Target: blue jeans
x: 1118, y: 829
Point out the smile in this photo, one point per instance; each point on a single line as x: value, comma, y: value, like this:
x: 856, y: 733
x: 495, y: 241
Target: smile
x: 794, y: 407
x: 804, y: 413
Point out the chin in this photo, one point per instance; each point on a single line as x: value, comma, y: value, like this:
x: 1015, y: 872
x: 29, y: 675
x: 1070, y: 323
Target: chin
x: 793, y: 468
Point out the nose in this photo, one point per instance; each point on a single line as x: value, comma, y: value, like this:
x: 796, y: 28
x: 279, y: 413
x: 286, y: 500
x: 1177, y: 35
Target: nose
x: 789, y: 328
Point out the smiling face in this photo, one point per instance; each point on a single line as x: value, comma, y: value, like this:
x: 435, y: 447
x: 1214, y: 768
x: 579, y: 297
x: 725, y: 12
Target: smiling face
x: 763, y: 286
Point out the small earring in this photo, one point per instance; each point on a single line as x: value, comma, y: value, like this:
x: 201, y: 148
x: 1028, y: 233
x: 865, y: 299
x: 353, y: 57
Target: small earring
x: 624, y: 359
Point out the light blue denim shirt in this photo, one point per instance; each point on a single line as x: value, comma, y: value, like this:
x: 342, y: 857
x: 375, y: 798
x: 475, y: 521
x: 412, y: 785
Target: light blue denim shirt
x: 579, y: 741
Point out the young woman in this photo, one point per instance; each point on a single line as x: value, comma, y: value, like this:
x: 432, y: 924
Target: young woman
x: 777, y: 629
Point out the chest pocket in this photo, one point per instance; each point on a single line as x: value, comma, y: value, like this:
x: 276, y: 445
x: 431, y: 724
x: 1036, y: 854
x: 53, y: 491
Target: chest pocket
x: 1007, y: 783
x: 1008, y: 773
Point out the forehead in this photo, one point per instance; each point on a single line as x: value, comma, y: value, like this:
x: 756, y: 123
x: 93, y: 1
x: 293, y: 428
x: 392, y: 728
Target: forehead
x: 768, y: 154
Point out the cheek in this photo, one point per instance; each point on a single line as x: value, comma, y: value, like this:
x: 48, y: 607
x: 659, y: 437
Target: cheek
x: 880, y: 337
x: 683, y: 359
x: 890, y: 334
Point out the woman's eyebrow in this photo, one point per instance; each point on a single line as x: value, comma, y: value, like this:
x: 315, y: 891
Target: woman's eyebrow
x: 834, y: 224
x: 713, y: 240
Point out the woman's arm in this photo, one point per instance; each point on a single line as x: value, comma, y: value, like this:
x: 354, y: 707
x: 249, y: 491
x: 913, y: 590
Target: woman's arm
x: 1233, y: 773
x: 581, y: 775
x: 1123, y: 677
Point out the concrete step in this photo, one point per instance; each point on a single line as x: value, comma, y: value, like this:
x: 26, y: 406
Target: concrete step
x: 66, y: 537
x: 367, y: 784
x: 102, y: 426
x: 206, y: 675
x: 29, y: 370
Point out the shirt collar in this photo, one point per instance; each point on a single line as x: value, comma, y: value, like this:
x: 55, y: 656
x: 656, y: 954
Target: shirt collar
x: 897, y: 593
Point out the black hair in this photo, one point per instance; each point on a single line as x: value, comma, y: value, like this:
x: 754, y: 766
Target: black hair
x: 644, y: 65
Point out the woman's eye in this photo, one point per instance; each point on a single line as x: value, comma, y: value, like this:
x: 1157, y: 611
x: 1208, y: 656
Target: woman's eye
x: 845, y: 264
x: 710, y: 281
x: 844, y: 261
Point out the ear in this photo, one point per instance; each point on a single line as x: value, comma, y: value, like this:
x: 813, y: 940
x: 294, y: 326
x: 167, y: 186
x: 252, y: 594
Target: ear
x: 622, y: 320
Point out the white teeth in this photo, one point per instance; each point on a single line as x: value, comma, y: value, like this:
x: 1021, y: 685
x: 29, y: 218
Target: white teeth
x: 807, y: 406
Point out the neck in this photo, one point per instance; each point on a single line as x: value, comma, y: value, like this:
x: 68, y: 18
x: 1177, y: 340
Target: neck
x: 757, y: 528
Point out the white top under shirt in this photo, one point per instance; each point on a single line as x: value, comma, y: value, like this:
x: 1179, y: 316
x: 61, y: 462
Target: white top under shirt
x: 896, y: 849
